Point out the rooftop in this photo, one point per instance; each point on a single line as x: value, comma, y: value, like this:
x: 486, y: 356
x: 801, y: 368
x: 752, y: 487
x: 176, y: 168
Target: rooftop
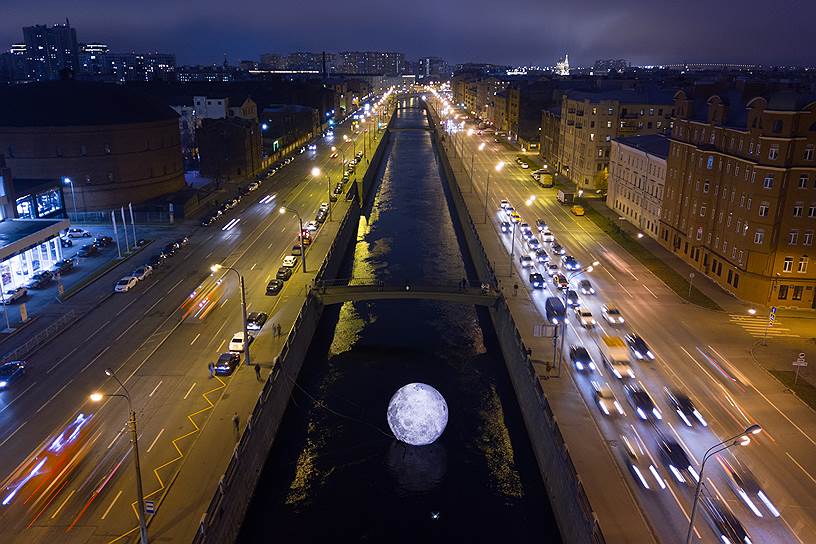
x: 18, y: 235
x: 650, y: 95
x: 653, y: 144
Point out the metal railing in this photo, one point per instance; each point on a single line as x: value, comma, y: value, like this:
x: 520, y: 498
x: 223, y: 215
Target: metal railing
x: 40, y: 338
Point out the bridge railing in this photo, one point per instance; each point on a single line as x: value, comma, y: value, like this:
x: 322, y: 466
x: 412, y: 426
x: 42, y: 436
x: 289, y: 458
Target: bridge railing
x: 373, y: 284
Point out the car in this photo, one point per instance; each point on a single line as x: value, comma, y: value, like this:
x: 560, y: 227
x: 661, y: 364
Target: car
x: 676, y: 460
x: 506, y: 227
x: 547, y: 236
x: 509, y: 210
x: 518, y: 161
x: 256, y: 320
x: 503, y: 204
x: 560, y: 281
x: 103, y: 241
x: 639, y: 347
x: 169, y: 250
x: 525, y: 166
x: 142, y: 272
x: 311, y: 147
x: 533, y: 243
x: 125, y: 284
x: 40, y: 280
x: 584, y: 317
x: 515, y: 218
x: 11, y: 372
x: 297, y: 250
x: 307, y: 240
x: 324, y: 206
x: 642, y: 402
x: 552, y: 269
x: 226, y: 364
x: 311, y: 226
x: 541, y: 225
x: 570, y: 263
x: 537, y: 280
x: 639, y: 463
x: 558, y: 248
x: 620, y: 368
x: 525, y: 229
x: 338, y: 188
x: 290, y: 261
x: 586, y: 287
x: 542, y: 256
x: 62, y: 267
x: 237, y: 342
x: 13, y: 295
x: 253, y: 186
x: 581, y: 359
x: 577, y: 210
x: 723, y: 521
x: 76, y: 232
x: 612, y: 315
x: 208, y: 220
x: 156, y: 261
x: 573, y: 299
x: 684, y: 407
x: 606, y: 400
x: 745, y: 486
x: 333, y: 155
x: 88, y: 250
x: 65, y: 241
x: 181, y: 242
x: 526, y: 261
x: 274, y: 286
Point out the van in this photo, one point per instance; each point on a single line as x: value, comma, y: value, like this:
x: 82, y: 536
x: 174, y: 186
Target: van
x: 556, y: 313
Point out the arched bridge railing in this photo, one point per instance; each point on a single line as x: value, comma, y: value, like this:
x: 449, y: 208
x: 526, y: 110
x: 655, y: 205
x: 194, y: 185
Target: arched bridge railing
x: 329, y: 293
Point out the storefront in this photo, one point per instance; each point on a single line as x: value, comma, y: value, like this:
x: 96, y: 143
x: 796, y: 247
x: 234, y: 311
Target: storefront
x: 28, y: 246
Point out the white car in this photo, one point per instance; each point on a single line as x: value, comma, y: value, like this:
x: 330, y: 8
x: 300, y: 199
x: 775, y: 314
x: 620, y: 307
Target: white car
x: 526, y: 261
x: 525, y: 165
x: 290, y: 261
x: 254, y: 185
x: 12, y: 295
x: 237, y: 342
x: 584, y: 316
x: 312, y: 147
x: 611, y: 314
x: 125, y: 284
x: 547, y: 236
x: 311, y: 226
x: 142, y: 272
x: 552, y: 269
x: 606, y: 399
x: 503, y: 204
x: 533, y: 243
x: 76, y: 232
x: 324, y: 206
x: 509, y: 210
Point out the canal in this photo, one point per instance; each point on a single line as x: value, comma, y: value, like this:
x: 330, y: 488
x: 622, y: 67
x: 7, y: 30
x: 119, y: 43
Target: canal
x: 335, y: 471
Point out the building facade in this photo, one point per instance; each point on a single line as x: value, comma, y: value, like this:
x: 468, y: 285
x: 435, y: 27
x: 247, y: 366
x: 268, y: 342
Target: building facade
x: 229, y: 148
x: 637, y: 177
x: 740, y: 200
x: 388, y: 63
x: 97, y: 63
x: 50, y: 50
x: 591, y: 120
x: 550, y: 135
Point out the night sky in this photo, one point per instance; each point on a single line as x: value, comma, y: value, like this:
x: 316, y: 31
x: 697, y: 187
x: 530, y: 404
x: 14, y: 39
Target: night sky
x: 499, y: 31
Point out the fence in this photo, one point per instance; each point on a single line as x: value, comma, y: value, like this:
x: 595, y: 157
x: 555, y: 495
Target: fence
x: 39, y: 339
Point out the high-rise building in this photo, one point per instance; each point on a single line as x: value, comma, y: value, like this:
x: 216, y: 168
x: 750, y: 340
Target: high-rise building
x: 740, y: 199
x: 604, y: 66
x: 98, y: 63
x: 432, y: 67
x: 387, y: 63
x: 50, y: 50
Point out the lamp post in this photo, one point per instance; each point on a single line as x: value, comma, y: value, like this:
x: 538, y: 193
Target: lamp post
x: 498, y: 168
x: 134, y: 444
x: 216, y: 268
x: 742, y: 439
x: 70, y: 182
x: 316, y: 174
x: 472, y: 156
x: 570, y: 276
x: 285, y: 209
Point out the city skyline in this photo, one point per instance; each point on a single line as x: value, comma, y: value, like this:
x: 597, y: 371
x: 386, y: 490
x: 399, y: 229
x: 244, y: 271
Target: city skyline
x: 526, y: 34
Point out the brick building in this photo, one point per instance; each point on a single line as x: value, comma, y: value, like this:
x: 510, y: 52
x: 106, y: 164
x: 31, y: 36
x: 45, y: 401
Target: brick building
x: 230, y: 148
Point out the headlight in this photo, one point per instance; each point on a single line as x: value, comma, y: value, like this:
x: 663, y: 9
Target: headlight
x: 638, y: 355
x: 3, y: 383
x: 656, y: 413
x: 641, y: 414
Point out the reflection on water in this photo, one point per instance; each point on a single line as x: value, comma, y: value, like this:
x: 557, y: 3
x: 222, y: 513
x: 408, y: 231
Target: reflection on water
x: 335, y: 470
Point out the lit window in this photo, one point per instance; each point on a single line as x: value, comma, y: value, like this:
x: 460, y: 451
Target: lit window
x: 710, y: 162
x: 787, y: 264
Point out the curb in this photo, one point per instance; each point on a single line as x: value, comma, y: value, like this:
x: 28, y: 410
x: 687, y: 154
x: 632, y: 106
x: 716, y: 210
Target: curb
x: 99, y: 272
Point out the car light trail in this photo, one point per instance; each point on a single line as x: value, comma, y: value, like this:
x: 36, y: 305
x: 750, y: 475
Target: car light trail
x: 21, y: 483
x: 232, y: 223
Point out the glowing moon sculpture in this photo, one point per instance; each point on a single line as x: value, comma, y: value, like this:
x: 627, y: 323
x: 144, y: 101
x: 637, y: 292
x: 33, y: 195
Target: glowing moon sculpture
x: 417, y: 414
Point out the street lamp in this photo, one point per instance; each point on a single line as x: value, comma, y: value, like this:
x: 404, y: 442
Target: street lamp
x: 134, y: 444
x: 316, y: 174
x: 472, y: 156
x: 498, y: 168
x: 742, y: 439
x: 283, y: 210
x: 216, y: 268
x: 69, y: 181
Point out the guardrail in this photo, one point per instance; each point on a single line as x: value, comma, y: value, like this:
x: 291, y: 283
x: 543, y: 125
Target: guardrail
x: 31, y: 345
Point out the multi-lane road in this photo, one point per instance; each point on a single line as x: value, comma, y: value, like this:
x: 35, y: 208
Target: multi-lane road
x: 65, y: 460
x: 702, y: 353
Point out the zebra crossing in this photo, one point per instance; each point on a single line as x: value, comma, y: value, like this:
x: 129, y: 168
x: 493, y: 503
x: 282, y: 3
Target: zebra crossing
x: 755, y: 325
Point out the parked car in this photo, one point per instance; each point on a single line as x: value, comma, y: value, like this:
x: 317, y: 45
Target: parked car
x: 63, y: 266
x: 142, y: 272
x: 13, y: 295
x: 256, y: 320
x: 76, y: 232
x: 274, y: 286
x: 40, y: 280
x: 237, y: 342
x: 506, y: 227
x: 227, y: 363
x: 88, y: 250
x: 284, y: 273
x: 10, y: 372
x: 65, y: 241
x: 103, y: 241
x: 156, y: 261
x: 290, y: 261
x: 125, y: 284
x: 541, y: 225
x: 297, y: 250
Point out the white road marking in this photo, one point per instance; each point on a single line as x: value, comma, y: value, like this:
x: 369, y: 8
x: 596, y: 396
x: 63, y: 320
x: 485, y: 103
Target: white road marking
x: 223, y: 303
x: 53, y: 396
x: 153, y: 306
x: 108, y: 509
x: 12, y: 434
x: 812, y: 479
x: 115, y: 438
x: 126, y: 330
x: 174, y: 286
x: 57, y: 511
x: 253, y: 266
x: 155, y: 440
x: 650, y: 291
x: 155, y: 388
x: 194, y: 339
x: 187, y: 394
x: 221, y: 345
x: 3, y: 409
x: 94, y: 359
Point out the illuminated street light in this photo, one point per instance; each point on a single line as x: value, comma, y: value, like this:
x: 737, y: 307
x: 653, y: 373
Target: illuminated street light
x: 68, y: 181
x: 316, y: 174
x: 134, y: 445
x: 752, y: 311
x: 283, y: 210
x: 215, y: 268
x: 742, y: 439
x: 497, y: 168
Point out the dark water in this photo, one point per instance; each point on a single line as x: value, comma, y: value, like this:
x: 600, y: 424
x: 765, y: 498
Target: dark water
x: 335, y: 471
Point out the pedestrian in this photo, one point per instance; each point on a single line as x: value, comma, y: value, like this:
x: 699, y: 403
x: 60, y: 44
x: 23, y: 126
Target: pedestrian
x: 257, y: 372
x: 274, y: 330
x: 236, y: 424
x: 211, y: 368
x: 515, y: 289
x: 278, y: 328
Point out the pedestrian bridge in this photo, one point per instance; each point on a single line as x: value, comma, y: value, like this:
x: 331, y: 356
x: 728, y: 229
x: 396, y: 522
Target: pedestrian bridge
x: 470, y: 296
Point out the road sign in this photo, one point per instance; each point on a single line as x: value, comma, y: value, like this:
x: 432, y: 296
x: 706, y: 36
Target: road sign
x: 773, y: 310
x: 800, y: 361
x: 150, y: 507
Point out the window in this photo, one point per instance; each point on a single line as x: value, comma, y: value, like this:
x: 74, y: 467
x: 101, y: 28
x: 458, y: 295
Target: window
x: 745, y: 228
x: 763, y: 209
x: 705, y: 186
x: 802, y: 266
x: 107, y: 149
x: 702, y: 211
x: 591, y: 136
x: 797, y: 292
x: 812, y: 211
x: 797, y: 210
x: 803, y: 181
x: 809, y: 153
x: 793, y: 237
x: 767, y: 183
x: 699, y: 233
x: 710, y: 162
x: 807, y: 238
x: 748, y: 204
x: 783, y: 292
x: 777, y: 127
x: 609, y: 124
x: 773, y: 152
x: 711, y: 141
x: 734, y: 252
x: 759, y: 236
x: 787, y: 264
